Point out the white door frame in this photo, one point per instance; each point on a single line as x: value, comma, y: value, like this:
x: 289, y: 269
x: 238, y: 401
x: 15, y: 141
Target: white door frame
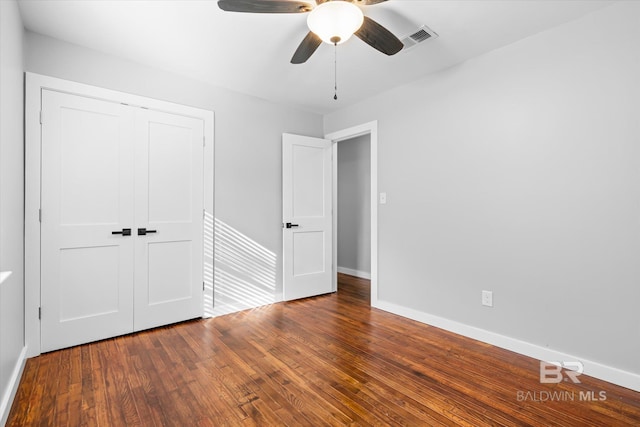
x: 35, y: 83
x: 370, y: 128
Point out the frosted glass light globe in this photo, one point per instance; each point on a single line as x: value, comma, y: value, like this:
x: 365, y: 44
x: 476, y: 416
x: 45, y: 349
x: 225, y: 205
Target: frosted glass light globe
x: 335, y: 21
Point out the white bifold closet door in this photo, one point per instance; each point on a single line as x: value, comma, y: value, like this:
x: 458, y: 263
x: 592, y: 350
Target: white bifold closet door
x: 169, y: 205
x: 121, y: 224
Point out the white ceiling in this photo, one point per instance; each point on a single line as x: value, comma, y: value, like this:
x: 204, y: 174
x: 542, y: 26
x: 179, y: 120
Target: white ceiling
x: 250, y: 53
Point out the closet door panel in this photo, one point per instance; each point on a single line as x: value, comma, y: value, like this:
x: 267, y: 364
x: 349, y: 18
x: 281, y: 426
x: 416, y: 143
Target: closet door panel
x: 87, y: 170
x: 169, y: 210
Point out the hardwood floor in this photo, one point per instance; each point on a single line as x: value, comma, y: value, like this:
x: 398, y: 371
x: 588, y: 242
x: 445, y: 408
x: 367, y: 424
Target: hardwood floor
x: 330, y: 360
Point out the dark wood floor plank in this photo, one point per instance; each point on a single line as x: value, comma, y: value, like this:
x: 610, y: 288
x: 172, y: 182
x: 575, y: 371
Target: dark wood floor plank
x: 74, y: 406
x: 349, y: 351
x: 24, y: 395
x: 330, y: 360
x: 291, y: 383
x: 305, y: 391
x: 384, y: 372
x: 88, y: 415
x: 350, y: 382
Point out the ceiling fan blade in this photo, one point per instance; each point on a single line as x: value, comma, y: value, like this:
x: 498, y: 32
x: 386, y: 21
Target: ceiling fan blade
x: 378, y: 37
x: 265, y: 6
x: 308, y: 46
x: 368, y: 2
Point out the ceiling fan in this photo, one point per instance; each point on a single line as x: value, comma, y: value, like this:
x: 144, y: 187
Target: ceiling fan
x: 331, y: 21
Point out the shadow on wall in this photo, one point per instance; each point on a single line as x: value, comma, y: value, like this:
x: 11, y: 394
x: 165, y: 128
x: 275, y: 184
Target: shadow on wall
x: 245, y: 272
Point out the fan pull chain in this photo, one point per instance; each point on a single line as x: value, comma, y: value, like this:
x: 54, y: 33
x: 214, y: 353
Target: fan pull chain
x: 335, y: 71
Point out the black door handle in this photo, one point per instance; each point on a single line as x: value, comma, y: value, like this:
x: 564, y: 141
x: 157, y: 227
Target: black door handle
x: 124, y: 232
x: 144, y: 231
x: 289, y: 225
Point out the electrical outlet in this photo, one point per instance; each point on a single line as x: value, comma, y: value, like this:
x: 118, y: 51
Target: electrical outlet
x: 487, y: 298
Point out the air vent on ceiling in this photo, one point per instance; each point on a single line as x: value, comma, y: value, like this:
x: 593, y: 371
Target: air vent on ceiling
x: 421, y: 35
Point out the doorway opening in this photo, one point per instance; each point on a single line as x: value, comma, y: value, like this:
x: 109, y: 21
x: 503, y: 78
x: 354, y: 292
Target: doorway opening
x: 353, y: 209
x: 352, y: 149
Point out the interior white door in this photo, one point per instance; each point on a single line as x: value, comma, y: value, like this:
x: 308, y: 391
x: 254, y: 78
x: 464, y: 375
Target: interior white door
x: 87, y: 171
x: 169, y: 206
x: 307, y: 216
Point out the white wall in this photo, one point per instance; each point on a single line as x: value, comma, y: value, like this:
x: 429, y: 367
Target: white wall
x: 11, y: 202
x: 248, y: 202
x: 519, y: 172
x: 354, y: 206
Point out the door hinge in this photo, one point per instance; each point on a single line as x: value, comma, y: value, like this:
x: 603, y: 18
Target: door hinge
x: 40, y: 116
x: 203, y: 286
x: 39, y: 313
x: 204, y: 213
x: 39, y: 215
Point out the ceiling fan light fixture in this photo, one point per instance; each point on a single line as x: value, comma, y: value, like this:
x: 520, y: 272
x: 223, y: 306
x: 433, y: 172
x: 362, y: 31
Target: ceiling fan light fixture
x: 335, y: 21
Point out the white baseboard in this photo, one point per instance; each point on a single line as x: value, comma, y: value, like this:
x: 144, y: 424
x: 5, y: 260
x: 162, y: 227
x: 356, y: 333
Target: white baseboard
x: 591, y: 368
x: 12, y: 389
x: 356, y: 273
